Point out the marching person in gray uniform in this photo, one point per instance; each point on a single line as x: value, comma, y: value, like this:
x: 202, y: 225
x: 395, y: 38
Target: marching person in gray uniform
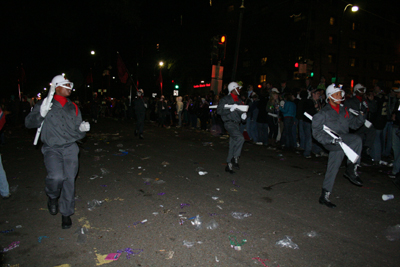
x: 232, y: 118
x: 140, y: 107
x: 61, y: 125
x: 339, y: 119
x: 365, y: 105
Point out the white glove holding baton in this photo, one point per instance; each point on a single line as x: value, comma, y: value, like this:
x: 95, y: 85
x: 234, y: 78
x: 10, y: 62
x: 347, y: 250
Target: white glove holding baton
x: 84, y: 127
x: 233, y: 107
x: 367, y: 123
x: 244, y: 116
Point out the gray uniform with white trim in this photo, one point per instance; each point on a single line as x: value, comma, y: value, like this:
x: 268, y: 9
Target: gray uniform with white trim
x: 59, y: 133
x: 340, y: 123
x: 231, y: 122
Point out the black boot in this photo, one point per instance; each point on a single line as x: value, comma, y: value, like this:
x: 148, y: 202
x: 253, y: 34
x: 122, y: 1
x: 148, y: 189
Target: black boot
x: 66, y: 222
x: 228, y: 168
x: 352, y: 175
x: 324, y: 199
x: 235, y: 163
x: 52, y: 205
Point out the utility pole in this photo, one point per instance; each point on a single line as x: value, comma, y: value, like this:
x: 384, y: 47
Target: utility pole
x: 235, y: 60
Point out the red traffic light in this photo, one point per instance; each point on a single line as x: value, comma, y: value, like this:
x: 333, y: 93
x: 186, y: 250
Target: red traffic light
x: 222, y: 39
x: 296, y: 65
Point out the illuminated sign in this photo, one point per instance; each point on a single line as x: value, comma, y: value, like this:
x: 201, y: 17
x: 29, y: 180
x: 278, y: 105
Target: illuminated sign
x: 202, y: 85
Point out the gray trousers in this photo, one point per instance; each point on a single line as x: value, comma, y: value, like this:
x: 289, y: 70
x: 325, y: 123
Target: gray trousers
x: 140, y: 116
x: 336, y: 155
x: 368, y: 134
x: 236, y: 140
x: 62, y: 166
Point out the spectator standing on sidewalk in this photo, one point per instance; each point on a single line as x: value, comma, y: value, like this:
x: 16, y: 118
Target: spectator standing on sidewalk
x: 140, y: 107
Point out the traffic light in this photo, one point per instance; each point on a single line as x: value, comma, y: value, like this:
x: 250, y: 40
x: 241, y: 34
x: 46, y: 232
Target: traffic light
x: 296, y: 65
x: 176, y: 86
x: 312, y: 74
x: 221, y: 47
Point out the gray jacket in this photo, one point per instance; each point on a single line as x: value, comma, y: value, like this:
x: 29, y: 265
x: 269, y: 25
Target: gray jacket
x: 340, y: 123
x: 61, y: 124
x: 226, y: 114
x: 355, y: 104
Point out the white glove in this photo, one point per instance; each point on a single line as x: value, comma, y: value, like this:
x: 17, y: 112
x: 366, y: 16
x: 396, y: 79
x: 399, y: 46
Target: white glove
x: 336, y: 141
x: 365, y: 104
x: 145, y: 105
x: 244, y: 116
x: 234, y: 106
x: 45, y: 107
x: 282, y: 103
x: 84, y: 127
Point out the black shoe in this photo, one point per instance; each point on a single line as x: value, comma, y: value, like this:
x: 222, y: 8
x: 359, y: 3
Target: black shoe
x: 136, y: 132
x: 141, y: 136
x: 235, y: 163
x: 228, y: 168
x: 324, y: 199
x: 7, y: 197
x: 66, y: 222
x: 52, y: 205
x: 352, y: 175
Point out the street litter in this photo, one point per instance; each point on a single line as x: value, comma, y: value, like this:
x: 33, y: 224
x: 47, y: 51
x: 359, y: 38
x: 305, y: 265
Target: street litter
x: 189, y: 244
x: 161, y: 194
x: 219, y: 207
x: 234, y: 183
x: 93, y: 177
x: 240, y: 215
x: 98, y: 150
x: 130, y: 252
x: 170, y: 255
x: 287, y: 243
x: 211, y: 225
x: 311, y: 234
x: 112, y: 256
x: 11, y: 246
x: 13, y: 188
x: 184, y: 205
x: 18, y: 226
x: 235, y: 244
x: 7, y: 231
x: 41, y: 237
x: 387, y: 197
x: 155, y: 213
x: 164, y: 163
x: 120, y: 145
x: 392, y: 233
x: 201, y: 171
x: 207, y: 143
x: 94, y: 204
x: 82, y: 237
x: 261, y: 260
x: 121, y: 154
x: 197, y: 222
x: 104, y: 171
x: 215, y: 198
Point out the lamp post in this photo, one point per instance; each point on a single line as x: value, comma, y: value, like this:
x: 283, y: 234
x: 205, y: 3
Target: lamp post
x: 235, y: 59
x: 353, y: 9
x: 160, y: 78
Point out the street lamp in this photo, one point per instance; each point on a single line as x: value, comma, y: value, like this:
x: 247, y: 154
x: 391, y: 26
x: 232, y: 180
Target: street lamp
x: 92, y: 52
x: 353, y: 9
x: 161, y: 63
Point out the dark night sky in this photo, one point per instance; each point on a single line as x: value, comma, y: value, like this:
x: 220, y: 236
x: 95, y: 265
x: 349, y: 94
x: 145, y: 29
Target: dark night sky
x: 57, y: 36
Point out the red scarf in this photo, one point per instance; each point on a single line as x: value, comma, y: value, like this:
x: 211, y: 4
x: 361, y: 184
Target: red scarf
x: 235, y: 97
x: 335, y: 108
x: 360, y: 98
x: 61, y: 99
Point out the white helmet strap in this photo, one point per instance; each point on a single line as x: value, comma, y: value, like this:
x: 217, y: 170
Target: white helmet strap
x: 237, y: 91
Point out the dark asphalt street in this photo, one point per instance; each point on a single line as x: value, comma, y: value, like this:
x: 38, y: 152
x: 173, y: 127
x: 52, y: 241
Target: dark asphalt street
x: 151, y: 189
